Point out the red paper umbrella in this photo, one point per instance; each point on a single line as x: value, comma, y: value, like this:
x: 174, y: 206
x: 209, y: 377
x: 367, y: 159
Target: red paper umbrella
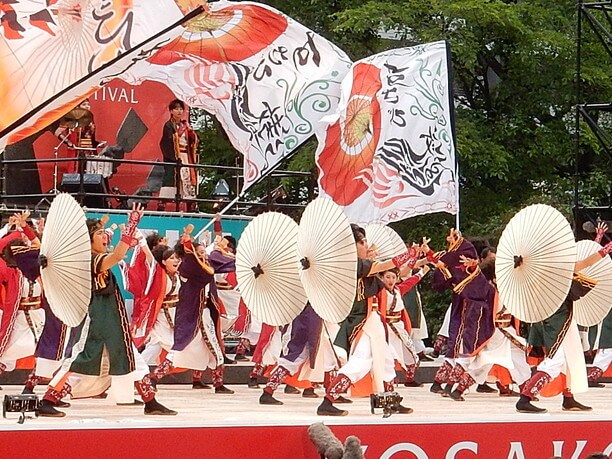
x: 226, y: 34
x: 351, y: 141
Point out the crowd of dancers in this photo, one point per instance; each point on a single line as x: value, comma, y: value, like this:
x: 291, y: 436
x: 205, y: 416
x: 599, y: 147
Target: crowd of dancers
x: 182, y: 295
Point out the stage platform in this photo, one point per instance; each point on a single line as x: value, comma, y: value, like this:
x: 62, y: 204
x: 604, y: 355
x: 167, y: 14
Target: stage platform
x: 213, y: 425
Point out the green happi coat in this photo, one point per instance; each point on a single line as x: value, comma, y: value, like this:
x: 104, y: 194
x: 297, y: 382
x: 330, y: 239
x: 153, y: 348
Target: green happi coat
x: 108, y: 327
x: 551, y: 332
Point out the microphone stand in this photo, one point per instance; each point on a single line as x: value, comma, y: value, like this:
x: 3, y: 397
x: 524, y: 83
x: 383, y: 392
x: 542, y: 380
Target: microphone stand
x: 54, y: 190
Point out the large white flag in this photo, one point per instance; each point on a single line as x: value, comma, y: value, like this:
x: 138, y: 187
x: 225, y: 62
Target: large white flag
x: 389, y: 152
x: 266, y: 78
x: 48, y: 49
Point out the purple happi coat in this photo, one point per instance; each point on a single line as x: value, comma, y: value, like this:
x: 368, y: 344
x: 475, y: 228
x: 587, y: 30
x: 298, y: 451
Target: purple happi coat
x: 193, y: 298
x: 472, y: 308
x: 305, y: 333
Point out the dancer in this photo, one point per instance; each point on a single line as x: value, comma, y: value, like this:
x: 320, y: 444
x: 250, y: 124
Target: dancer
x: 390, y: 299
x: 23, y: 314
x: 179, y: 145
x: 105, y: 342
x: 362, y: 333
x: 414, y: 308
x: 471, y: 317
x: 560, y: 338
x: 603, y: 335
x: 266, y: 353
x: 222, y: 258
x: 137, y: 276
x: 51, y: 345
x: 299, y: 353
x: 506, y: 352
x: 196, y: 344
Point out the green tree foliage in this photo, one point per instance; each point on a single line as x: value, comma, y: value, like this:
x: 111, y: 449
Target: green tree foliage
x: 514, y: 65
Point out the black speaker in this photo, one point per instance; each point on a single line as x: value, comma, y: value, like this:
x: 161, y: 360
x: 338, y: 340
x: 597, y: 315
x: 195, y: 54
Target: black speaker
x: 92, y: 183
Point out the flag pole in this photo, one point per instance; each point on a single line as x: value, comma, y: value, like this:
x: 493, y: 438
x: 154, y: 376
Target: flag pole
x: 221, y: 212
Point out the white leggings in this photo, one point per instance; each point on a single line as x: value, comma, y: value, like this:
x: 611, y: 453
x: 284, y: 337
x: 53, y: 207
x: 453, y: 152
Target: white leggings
x: 602, y: 359
x: 360, y: 362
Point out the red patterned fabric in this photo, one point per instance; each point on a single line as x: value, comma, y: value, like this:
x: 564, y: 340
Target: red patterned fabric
x: 32, y: 380
x: 338, y: 387
x: 145, y: 389
x: 276, y: 378
x: 10, y: 294
x: 465, y: 382
x: 535, y: 384
x: 443, y: 373
x: 217, y: 376
x: 257, y: 371
x: 455, y: 375
x: 55, y: 396
x: 594, y: 373
x: 410, y: 372
x: 161, y: 370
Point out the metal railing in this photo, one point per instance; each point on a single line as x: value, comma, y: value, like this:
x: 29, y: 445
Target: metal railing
x: 114, y: 198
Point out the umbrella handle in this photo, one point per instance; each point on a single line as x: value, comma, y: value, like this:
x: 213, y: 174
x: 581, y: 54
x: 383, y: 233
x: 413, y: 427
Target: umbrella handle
x: 257, y: 270
x: 518, y: 261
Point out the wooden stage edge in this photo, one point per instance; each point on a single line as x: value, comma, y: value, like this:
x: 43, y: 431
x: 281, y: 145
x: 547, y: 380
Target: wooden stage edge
x: 213, y: 425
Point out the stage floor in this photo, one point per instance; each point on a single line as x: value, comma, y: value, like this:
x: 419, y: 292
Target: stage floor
x: 223, y: 426
x: 205, y: 408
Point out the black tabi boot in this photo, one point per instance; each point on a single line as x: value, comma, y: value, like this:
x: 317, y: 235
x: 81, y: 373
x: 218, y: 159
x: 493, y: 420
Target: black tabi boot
x: 447, y: 390
x: 436, y: 388
x: 153, y: 407
x: 326, y: 408
x: 291, y: 390
x: 309, y: 393
x: 570, y: 404
x: 524, y: 406
x: 47, y: 409
x: 484, y: 389
x: 267, y: 399
x: 199, y: 385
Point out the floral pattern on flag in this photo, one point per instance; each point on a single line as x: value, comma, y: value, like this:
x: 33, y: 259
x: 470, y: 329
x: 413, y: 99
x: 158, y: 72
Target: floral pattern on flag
x: 48, y: 46
x: 389, y: 153
x: 266, y: 78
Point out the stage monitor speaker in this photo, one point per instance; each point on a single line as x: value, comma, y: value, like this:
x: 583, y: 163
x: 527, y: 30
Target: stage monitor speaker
x: 92, y: 183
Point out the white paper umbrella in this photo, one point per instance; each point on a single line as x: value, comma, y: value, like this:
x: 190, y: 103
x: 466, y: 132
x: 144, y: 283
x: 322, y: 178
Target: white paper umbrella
x: 326, y: 249
x: 267, y: 269
x: 595, y: 305
x: 66, y: 260
x: 387, y: 242
x: 535, y: 263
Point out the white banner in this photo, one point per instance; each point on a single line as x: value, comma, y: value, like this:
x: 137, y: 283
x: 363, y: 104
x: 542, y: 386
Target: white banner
x: 266, y: 78
x: 389, y: 153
